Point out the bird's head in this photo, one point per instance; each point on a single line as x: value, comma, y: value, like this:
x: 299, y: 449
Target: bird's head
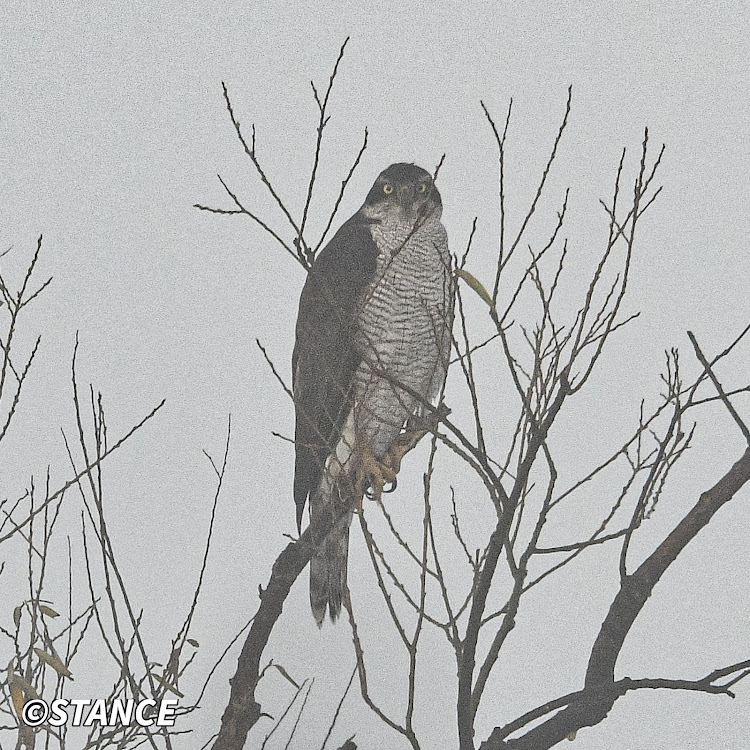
x: 403, y: 192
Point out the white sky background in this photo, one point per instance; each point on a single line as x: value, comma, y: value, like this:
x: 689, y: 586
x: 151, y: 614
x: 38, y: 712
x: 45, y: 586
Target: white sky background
x: 112, y: 126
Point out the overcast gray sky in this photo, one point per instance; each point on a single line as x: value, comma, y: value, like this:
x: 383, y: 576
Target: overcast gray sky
x: 112, y: 126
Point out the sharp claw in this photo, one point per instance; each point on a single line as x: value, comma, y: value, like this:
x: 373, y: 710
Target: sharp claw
x: 371, y: 493
x: 374, y: 475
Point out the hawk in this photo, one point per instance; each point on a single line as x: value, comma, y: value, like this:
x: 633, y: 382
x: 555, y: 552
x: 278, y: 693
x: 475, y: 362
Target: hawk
x: 373, y: 339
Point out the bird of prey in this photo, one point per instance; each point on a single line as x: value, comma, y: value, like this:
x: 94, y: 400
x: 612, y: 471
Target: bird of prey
x: 373, y: 339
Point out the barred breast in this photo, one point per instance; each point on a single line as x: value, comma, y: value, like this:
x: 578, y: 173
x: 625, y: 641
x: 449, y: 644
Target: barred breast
x: 403, y: 330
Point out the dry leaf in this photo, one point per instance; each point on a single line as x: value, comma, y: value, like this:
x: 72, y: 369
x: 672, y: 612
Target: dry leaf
x: 285, y: 673
x: 53, y: 662
x: 15, y: 686
x: 476, y: 285
x: 16, y: 695
x: 167, y: 685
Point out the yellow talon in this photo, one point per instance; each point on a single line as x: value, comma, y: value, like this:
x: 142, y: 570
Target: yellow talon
x: 373, y: 474
x: 400, y: 447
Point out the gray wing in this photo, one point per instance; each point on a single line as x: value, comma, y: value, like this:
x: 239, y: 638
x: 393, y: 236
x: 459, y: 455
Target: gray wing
x: 325, y: 358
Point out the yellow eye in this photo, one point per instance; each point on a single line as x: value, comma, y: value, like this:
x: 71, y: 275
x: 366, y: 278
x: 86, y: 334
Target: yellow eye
x: 422, y: 187
x: 387, y: 189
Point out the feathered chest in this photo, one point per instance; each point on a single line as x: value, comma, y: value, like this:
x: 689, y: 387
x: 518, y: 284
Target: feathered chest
x: 403, y: 310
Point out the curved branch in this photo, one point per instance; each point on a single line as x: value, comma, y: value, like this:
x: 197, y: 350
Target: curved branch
x: 626, y: 606
x: 243, y: 711
x: 466, y: 709
x: 618, y: 689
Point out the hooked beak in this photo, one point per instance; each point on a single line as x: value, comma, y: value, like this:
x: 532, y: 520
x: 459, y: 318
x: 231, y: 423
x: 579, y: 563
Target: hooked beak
x: 407, y: 201
x: 406, y: 195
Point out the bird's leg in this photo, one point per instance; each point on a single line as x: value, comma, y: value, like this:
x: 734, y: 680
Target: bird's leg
x: 409, y: 438
x: 400, y: 447
x: 373, y: 474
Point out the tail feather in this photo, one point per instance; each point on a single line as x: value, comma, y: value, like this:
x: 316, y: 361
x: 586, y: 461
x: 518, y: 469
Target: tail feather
x: 328, y: 565
x: 328, y: 573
